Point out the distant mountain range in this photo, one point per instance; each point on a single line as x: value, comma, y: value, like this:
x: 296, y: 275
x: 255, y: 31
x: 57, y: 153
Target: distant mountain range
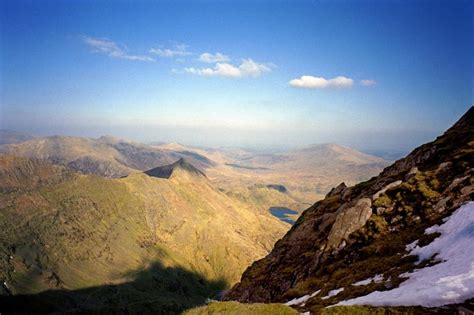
x: 10, y: 136
x: 307, y: 173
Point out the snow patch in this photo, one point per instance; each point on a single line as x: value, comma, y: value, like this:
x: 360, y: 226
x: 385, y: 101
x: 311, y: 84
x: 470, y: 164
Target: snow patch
x: 332, y: 293
x: 375, y: 279
x: 448, y: 282
x: 302, y: 299
x: 412, y: 246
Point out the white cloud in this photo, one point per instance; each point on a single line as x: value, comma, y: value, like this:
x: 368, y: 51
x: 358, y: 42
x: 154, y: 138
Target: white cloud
x: 368, y: 82
x: 179, y: 50
x: 310, y: 82
x: 221, y: 69
x: 251, y: 68
x: 248, y: 68
x: 110, y: 48
x: 213, y: 58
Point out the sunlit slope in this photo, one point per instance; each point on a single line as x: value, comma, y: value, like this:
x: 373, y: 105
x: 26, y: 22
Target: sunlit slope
x: 105, y: 156
x: 215, y: 233
x: 82, y: 232
x: 71, y: 231
x: 307, y: 173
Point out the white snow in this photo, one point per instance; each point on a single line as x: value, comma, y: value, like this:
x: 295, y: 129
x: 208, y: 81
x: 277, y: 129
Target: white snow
x: 332, y: 293
x: 412, y: 246
x: 448, y: 282
x: 375, y: 279
x: 302, y: 299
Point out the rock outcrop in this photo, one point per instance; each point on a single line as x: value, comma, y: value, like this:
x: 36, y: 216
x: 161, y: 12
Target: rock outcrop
x: 358, y: 232
x: 349, y: 219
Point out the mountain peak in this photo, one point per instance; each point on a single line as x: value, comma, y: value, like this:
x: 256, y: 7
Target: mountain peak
x: 169, y: 170
x: 338, y: 152
x: 111, y: 140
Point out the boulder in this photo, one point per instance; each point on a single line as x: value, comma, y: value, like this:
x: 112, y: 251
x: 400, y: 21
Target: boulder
x: 383, y: 190
x: 348, y: 220
x: 337, y: 190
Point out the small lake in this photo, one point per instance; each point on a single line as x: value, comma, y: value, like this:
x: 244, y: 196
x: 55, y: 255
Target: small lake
x: 282, y: 214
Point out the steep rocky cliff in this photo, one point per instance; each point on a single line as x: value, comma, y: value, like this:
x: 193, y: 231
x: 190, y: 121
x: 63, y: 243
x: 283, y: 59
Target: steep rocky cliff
x: 362, y: 232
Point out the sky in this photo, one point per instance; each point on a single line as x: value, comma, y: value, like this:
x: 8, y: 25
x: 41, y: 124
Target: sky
x: 374, y: 75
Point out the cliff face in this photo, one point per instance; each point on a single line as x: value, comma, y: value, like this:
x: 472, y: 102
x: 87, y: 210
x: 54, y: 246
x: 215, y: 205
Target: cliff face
x: 358, y: 232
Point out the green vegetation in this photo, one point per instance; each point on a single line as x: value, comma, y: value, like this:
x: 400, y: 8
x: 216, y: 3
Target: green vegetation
x: 264, y: 197
x: 382, y: 201
x: 371, y: 310
x: 235, y: 308
x: 164, y: 243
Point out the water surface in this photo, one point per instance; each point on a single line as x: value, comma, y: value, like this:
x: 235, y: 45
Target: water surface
x: 282, y: 214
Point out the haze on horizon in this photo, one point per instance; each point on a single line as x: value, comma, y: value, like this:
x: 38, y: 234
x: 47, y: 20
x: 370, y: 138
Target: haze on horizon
x: 388, y: 75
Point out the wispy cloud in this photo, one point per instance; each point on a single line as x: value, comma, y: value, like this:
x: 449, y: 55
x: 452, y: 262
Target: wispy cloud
x: 179, y: 50
x: 112, y: 49
x: 213, y: 58
x: 368, y: 82
x: 248, y: 68
x: 310, y: 82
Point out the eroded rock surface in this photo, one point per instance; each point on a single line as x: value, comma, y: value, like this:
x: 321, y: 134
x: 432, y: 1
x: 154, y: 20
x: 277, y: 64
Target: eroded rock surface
x: 348, y: 220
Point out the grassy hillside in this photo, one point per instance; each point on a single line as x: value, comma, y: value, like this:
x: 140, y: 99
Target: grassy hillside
x: 178, y: 240
x: 234, y: 308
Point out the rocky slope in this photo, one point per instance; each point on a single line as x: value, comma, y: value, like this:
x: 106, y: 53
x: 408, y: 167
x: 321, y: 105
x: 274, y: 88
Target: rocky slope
x: 73, y: 242
x: 362, y: 232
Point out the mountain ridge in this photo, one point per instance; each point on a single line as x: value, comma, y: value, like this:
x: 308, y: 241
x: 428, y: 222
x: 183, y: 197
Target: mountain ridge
x: 358, y: 232
x: 106, y: 156
x: 308, y: 175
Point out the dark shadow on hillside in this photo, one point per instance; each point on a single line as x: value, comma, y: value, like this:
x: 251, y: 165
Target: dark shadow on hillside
x: 157, y: 290
x: 166, y: 170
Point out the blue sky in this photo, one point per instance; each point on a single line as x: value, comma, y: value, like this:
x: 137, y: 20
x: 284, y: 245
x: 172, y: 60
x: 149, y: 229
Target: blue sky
x: 370, y: 74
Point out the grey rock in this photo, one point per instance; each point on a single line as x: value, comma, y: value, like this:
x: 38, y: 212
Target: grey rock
x: 348, y: 220
x: 383, y: 190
